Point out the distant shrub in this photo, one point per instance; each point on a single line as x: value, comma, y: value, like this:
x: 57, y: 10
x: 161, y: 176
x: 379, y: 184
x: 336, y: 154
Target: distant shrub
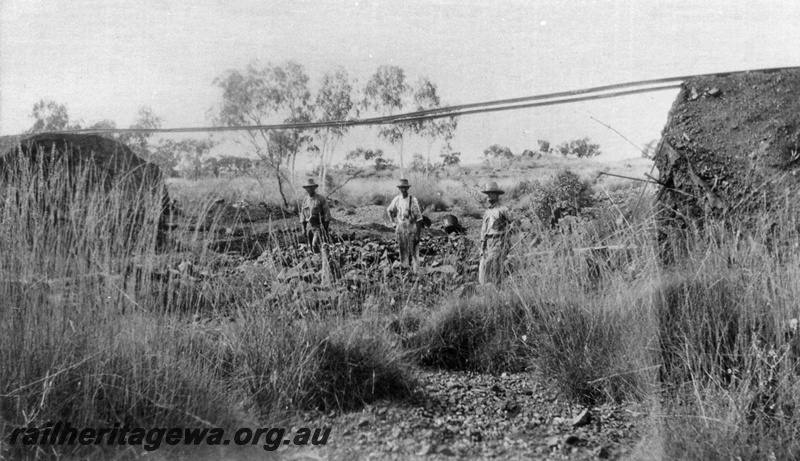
x: 498, y: 151
x: 379, y: 199
x: 581, y: 148
x: 565, y: 194
x: 520, y: 189
x: 450, y: 158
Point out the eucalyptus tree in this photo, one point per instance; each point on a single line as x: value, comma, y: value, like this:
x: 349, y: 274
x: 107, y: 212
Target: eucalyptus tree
x: 139, y: 142
x: 189, y: 152
x: 334, y: 102
x: 362, y: 155
x: 49, y: 115
x: 294, y: 98
x: 426, y: 97
x: 261, y: 95
x: 388, y: 93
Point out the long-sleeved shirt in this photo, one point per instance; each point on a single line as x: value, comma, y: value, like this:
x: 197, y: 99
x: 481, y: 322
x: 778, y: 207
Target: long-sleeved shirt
x: 407, y: 209
x: 496, y: 221
x: 315, y: 211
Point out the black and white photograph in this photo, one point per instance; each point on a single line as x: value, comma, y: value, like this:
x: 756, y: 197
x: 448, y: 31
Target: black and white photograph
x: 390, y: 230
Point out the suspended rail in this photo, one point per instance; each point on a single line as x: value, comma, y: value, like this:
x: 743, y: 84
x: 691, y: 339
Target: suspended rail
x: 548, y: 99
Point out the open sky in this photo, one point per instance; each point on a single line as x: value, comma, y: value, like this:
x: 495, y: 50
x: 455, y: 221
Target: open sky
x: 106, y: 58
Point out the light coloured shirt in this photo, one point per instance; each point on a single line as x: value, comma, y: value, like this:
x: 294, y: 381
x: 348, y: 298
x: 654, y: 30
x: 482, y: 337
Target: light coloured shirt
x: 496, y: 221
x: 406, y: 209
x: 315, y: 210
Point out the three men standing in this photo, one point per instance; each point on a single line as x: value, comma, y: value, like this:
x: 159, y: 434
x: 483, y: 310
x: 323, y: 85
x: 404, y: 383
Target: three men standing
x: 495, y: 229
x: 405, y: 211
x: 315, y: 216
x: 408, y: 215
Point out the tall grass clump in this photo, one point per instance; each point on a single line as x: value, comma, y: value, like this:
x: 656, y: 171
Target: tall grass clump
x: 712, y: 337
x: 585, y: 349
x: 485, y: 333
x: 592, y: 334
x: 729, y: 343
x: 315, y: 365
x: 77, y: 343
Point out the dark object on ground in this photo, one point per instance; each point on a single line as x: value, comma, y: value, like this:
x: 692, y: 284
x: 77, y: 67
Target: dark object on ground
x: 731, y: 147
x: 451, y: 226
x: 426, y: 222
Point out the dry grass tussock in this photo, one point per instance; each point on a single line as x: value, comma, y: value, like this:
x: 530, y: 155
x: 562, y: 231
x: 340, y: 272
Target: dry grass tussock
x: 90, y: 334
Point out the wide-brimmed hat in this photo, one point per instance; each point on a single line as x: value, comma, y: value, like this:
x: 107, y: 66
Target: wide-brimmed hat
x: 403, y: 183
x: 310, y: 183
x: 492, y: 187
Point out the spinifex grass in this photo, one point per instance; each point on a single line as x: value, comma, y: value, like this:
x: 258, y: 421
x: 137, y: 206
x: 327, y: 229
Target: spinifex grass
x: 306, y: 364
x: 96, y: 327
x: 67, y: 351
x: 729, y: 348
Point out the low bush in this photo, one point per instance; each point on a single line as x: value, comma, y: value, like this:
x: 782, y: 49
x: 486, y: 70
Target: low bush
x: 520, y: 189
x: 565, y: 194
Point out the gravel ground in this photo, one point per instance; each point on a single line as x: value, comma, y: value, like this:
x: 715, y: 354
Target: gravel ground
x: 458, y: 415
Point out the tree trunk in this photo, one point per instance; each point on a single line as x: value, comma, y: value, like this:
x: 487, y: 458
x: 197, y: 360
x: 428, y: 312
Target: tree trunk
x: 292, y: 174
x: 402, y: 165
x: 322, y: 170
x: 280, y: 186
x: 324, y: 178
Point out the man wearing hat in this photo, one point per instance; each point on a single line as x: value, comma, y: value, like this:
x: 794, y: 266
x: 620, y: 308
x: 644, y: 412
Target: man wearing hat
x: 315, y: 216
x: 497, y: 221
x: 406, y: 211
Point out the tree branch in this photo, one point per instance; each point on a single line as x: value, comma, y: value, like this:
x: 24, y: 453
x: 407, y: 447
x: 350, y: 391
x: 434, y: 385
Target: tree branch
x: 353, y: 176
